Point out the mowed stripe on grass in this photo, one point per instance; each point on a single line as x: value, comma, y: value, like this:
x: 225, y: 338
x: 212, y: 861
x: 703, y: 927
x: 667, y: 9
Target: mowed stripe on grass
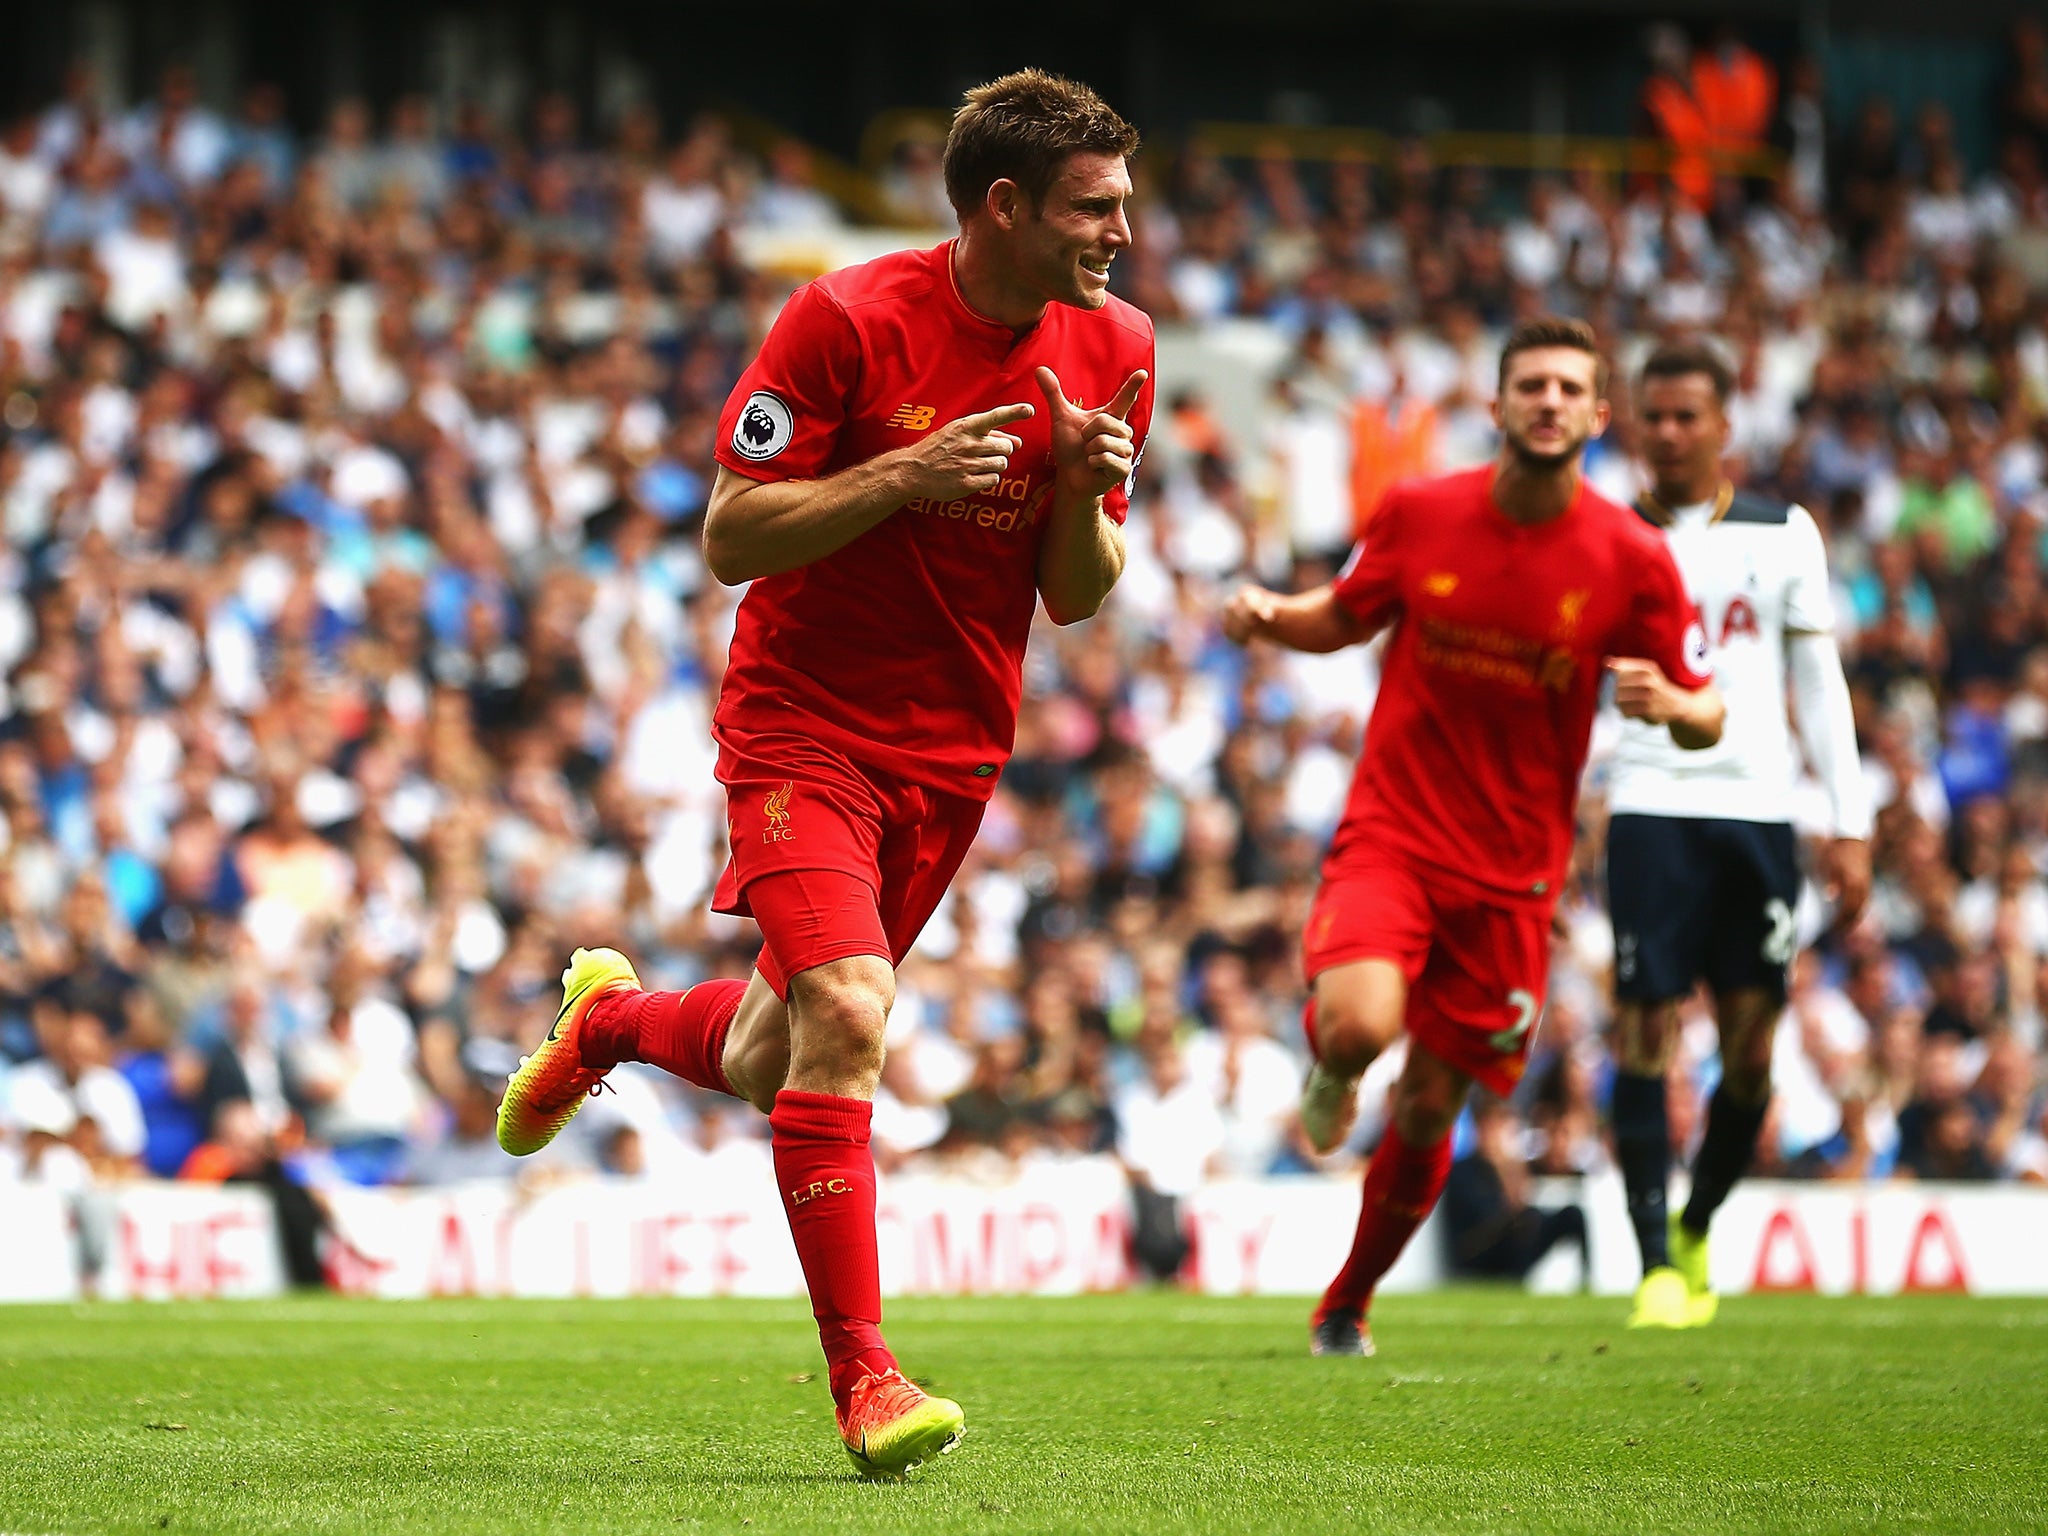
x: 1485, y: 1411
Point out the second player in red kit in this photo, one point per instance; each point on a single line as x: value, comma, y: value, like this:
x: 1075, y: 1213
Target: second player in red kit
x: 1512, y: 591
x: 928, y: 446
x: 1459, y: 824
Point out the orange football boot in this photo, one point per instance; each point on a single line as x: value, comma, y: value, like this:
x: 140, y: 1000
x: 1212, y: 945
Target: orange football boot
x: 890, y: 1424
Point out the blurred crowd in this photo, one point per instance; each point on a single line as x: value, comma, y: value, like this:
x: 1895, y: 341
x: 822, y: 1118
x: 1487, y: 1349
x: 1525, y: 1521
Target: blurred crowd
x: 356, y: 653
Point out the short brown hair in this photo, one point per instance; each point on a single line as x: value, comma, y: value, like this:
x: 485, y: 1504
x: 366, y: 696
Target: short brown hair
x: 1555, y: 331
x: 1021, y: 128
x: 1682, y: 359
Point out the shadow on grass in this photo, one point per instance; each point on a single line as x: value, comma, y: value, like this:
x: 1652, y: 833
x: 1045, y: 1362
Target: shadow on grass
x: 765, y: 1479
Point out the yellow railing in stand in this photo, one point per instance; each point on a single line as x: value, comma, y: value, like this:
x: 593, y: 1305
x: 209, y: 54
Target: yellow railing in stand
x: 858, y: 188
x: 1498, y: 151
x: 899, y: 125
x: 852, y: 188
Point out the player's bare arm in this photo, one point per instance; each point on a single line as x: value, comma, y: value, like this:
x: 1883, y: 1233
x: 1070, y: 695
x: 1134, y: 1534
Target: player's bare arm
x: 1093, y: 453
x: 1845, y: 873
x: 759, y: 528
x: 1827, y: 727
x: 1643, y: 692
x: 1314, y: 621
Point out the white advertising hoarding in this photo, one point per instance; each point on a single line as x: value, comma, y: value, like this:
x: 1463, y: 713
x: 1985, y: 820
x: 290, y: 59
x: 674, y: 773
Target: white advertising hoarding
x: 39, y: 1259
x: 1053, y: 1229
x: 170, y: 1240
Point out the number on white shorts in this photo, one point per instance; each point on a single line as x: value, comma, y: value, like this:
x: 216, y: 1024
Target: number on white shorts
x: 1778, y: 942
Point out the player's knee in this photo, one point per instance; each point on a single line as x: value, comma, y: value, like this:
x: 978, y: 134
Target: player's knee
x: 839, y: 1013
x: 1349, y: 1040
x: 1748, y: 1033
x: 1747, y: 1068
x: 1354, y: 1024
x: 1428, y: 1098
x: 1425, y: 1112
x: 1647, y: 1036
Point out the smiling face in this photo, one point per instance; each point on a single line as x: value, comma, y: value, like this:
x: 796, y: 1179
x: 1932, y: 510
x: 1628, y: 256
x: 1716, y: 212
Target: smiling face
x: 1061, y: 249
x: 1550, y: 405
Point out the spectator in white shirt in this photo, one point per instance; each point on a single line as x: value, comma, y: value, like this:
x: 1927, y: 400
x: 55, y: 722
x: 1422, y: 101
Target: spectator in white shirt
x: 789, y: 200
x: 26, y: 181
x: 1251, y: 1078
x: 1170, y: 1135
x: 73, y: 1083
x: 683, y: 206
x: 144, y: 268
x: 357, y: 1076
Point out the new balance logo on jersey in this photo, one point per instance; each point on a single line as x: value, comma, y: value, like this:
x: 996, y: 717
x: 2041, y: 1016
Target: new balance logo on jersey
x: 1440, y: 583
x: 912, y: 418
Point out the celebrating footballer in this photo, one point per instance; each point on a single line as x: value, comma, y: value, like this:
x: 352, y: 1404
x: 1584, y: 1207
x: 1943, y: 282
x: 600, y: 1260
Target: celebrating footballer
x: 907, y: 470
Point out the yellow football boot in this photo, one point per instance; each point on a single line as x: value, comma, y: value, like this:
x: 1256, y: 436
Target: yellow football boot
x: 890, y: 1424
x: 1689, y: 1258
x: 1662, y: 1300
x: 552, y: 1083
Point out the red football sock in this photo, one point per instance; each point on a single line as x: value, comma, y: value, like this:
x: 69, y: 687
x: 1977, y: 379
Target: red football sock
x: 1401, y: 1188
x: 827, y: 1176
x: 680, y: 1032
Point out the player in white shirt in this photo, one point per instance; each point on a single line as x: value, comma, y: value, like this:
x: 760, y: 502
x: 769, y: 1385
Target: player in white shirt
x: 1702, y: 863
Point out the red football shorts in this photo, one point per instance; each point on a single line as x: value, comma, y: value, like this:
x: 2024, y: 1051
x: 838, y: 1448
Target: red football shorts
x: 1476, y: 969
x: 831, y: 858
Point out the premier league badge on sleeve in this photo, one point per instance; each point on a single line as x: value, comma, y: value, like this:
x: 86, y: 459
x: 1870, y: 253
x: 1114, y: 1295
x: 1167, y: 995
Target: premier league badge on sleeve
x: 765, y: 427
x: 1698, y: 655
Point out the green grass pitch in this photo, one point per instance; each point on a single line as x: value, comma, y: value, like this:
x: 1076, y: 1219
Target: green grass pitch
x: 1486, y: 1411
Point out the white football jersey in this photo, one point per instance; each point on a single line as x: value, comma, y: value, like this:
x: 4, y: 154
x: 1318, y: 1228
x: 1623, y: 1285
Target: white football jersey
x: 1757, y: 571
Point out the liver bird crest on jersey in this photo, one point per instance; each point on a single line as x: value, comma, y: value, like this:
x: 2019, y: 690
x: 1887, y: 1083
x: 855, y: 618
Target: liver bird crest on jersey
x: 1570, y: 609
x: 776, y: 809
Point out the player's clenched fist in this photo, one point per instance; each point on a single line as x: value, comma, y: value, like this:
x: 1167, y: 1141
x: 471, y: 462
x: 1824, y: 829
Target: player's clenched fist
x: 1248, y: 613
x: 965, y: 456
x: 1094, y: 450
x: 1643, y: 692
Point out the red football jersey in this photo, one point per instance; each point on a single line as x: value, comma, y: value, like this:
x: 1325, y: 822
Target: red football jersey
x: 1490, y: 683
x: 904, y: 649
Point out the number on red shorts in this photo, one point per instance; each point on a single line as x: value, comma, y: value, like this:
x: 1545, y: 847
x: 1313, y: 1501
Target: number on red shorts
x: 1527, y: 1006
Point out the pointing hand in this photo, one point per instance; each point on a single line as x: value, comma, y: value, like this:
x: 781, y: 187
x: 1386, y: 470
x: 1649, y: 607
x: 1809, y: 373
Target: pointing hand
x: 966, y: 456
x: 1093, y: 451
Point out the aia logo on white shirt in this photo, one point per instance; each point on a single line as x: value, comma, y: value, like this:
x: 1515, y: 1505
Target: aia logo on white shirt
x: 764, y: 429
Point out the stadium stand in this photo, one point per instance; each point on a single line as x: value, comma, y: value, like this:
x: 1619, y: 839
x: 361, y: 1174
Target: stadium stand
x: 357, y: 649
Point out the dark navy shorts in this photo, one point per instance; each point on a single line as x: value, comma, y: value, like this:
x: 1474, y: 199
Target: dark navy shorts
x: 1697, y: 899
